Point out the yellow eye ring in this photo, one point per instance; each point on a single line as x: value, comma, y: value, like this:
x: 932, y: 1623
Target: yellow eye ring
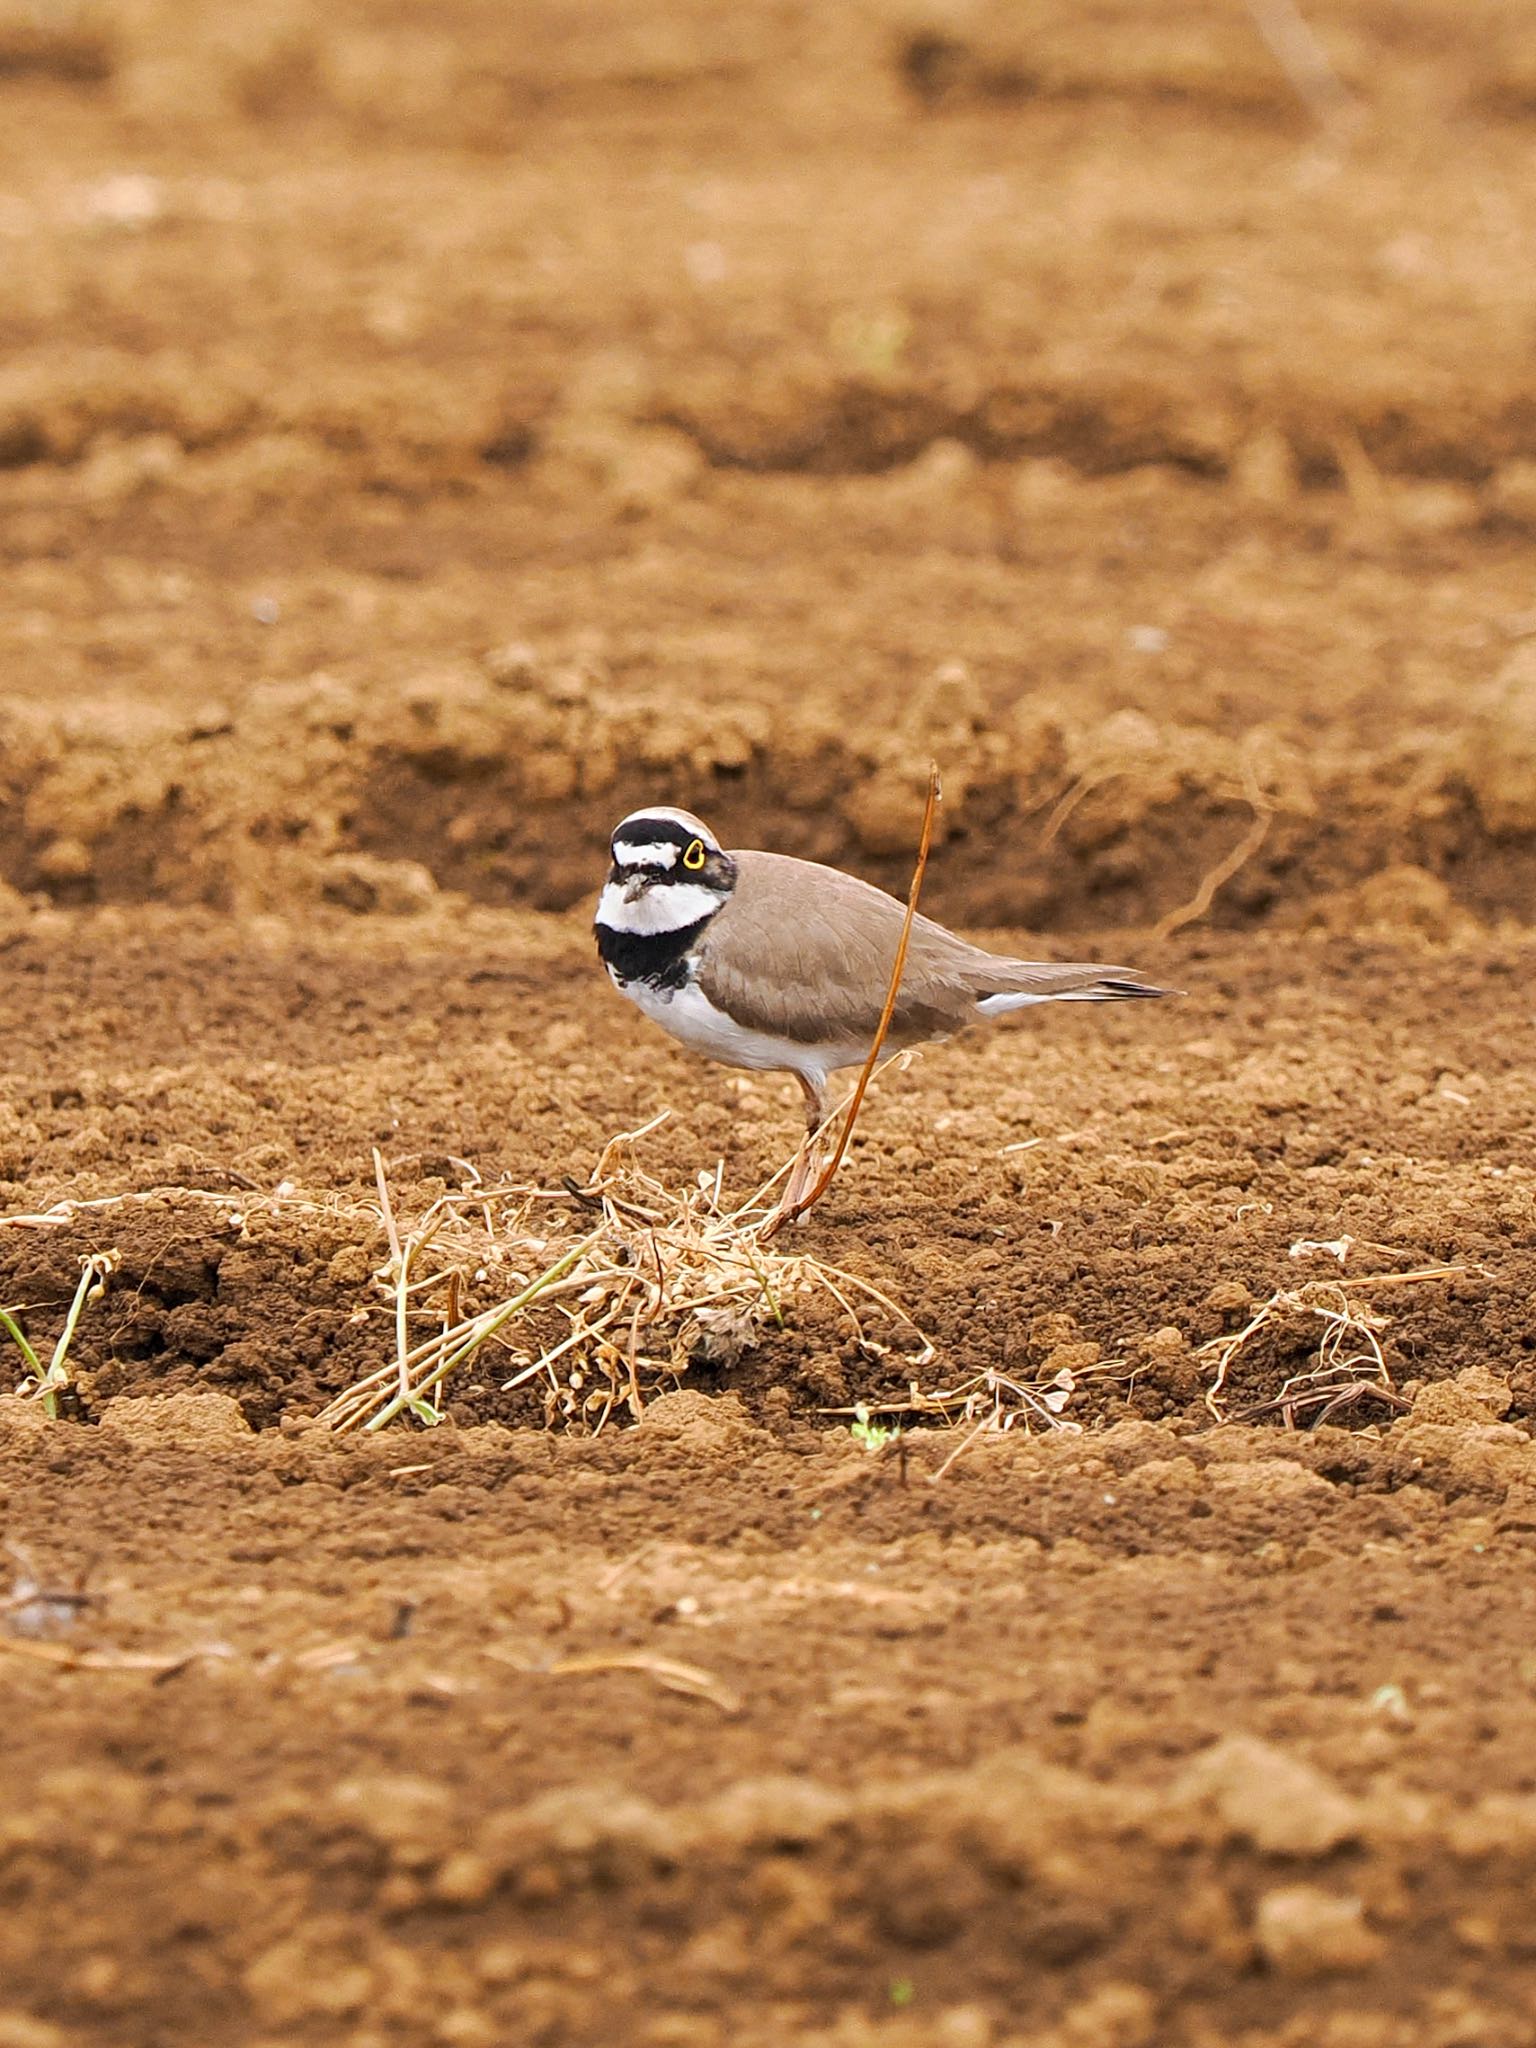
x: 693, y: 859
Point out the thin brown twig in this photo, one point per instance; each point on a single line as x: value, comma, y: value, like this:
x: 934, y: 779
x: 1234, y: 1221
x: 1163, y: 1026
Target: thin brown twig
x: 1222, y: 873
x: 1083, y: 787
x: 856, y: 1100
x: 1326, y: 1398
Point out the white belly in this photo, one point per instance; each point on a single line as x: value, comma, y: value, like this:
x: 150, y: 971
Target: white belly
x: 691, y: 1018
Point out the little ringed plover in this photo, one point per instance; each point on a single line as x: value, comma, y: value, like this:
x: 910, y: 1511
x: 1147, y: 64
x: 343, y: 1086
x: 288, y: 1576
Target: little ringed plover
x: 760, y: 960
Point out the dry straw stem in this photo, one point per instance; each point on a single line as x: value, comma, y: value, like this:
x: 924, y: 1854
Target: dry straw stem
x: 688, y: 1679
x: 238, y: 1210
x: 66, y: 1657
x: 601, y: 1309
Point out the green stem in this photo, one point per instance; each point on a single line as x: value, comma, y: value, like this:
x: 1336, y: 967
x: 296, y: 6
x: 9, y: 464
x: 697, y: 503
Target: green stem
x: 13, y: 1331
x: 50, y: 1378
x: 415, y: 1398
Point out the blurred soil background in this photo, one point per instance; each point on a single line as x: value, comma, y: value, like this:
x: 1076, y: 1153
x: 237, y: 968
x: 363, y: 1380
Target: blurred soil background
x: 427, y: 432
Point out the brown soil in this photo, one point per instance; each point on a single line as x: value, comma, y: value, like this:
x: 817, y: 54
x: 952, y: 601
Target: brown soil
x: 420, y: 440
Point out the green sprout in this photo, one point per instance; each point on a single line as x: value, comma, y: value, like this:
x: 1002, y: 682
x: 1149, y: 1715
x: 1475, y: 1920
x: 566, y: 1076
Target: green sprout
x: 43, y: 1382
x: 872, y: 341
x: 873, y: 1436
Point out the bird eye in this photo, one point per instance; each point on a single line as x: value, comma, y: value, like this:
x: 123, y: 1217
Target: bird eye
x: 694, y: 857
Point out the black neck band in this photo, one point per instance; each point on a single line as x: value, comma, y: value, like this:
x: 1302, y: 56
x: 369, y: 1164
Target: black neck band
x: 659, y: 958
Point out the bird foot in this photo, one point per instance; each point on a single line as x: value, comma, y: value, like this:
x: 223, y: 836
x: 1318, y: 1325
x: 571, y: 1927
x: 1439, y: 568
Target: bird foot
x: 798, y: 1184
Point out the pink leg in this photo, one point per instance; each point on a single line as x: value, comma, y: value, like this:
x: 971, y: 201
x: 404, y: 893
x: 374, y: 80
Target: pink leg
x: 803, y: 1173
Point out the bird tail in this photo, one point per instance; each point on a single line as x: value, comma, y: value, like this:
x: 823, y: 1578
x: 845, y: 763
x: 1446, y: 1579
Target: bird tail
x: 1026, y: 981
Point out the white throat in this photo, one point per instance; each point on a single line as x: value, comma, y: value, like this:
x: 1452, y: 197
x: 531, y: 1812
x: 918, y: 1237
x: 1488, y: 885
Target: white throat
x: 665, y: 907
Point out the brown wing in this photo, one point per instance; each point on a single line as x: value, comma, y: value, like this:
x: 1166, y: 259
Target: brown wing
x: 806, y: 952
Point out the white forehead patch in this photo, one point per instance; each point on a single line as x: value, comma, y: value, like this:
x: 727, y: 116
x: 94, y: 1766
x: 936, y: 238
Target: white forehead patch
x: 660, y: 853
x: 668, y: 814
x: 669, y: 907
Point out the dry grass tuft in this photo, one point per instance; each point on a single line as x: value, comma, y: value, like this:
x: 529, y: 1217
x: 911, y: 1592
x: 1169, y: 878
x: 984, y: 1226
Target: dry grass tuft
x: 1350, y: 1365
x: 601, y: 1295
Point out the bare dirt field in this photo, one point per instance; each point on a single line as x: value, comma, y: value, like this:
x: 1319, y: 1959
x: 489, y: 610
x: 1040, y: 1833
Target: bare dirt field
x: 427, y: 432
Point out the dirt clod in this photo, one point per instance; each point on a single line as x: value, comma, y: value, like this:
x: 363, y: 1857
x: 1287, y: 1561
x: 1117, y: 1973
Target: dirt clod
x: 206, y: 1422
x: 1283, y: 1806
x: 1304, y: 1931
